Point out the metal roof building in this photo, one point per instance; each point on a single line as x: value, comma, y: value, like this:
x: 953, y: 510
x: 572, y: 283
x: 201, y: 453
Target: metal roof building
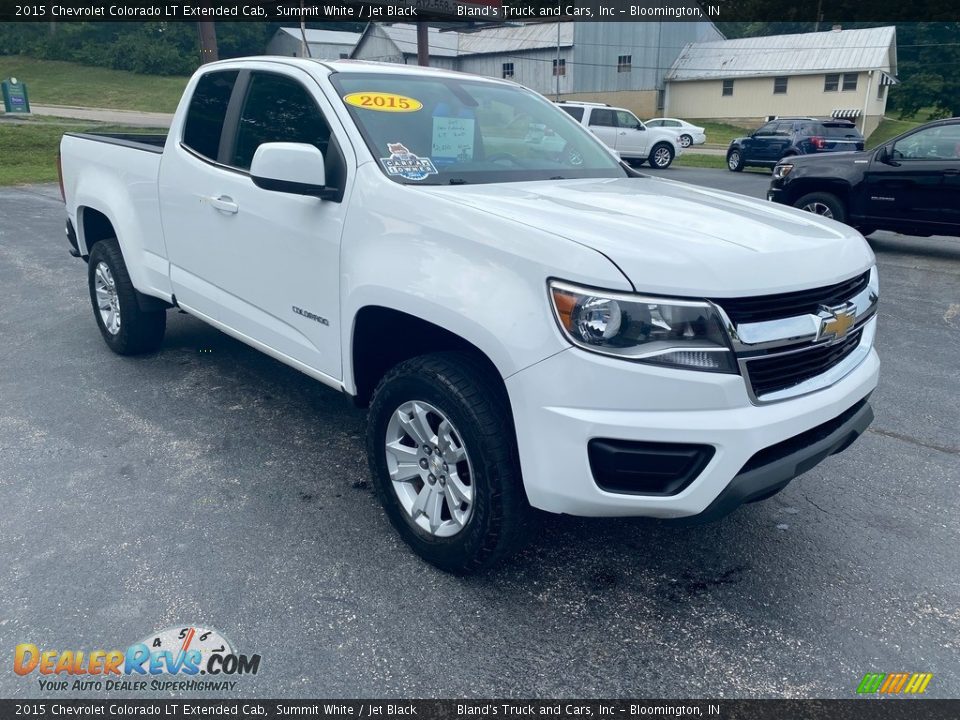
x: 839, y: 73
x: 325, y: 44
x: 808, y: 53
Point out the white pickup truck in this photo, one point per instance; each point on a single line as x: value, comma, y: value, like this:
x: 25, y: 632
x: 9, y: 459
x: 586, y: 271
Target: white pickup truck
x: 533, y: 325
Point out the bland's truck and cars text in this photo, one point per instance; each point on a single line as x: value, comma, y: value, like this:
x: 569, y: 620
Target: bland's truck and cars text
x: 397, y: 234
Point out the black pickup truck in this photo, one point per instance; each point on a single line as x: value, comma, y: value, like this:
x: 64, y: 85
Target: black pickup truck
x: 910, y: 184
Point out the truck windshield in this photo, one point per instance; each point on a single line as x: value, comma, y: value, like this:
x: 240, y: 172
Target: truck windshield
x: 436, y: 131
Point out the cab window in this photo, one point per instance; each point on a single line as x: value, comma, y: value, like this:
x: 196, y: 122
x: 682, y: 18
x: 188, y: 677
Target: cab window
x: 206, y: 113
x: 277, y: 109
x: 936, y: 143
x: 603, y: 118
x: 627, y: 120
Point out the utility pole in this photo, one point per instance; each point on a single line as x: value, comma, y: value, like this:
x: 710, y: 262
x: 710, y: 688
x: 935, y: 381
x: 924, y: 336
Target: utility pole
x: 423, y: 45
x: 208, y: 42
x: 556, y: 69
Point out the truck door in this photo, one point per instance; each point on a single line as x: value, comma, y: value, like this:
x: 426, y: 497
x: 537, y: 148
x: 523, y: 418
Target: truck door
x: 262, y: 264
x: 758, y: 146
x: 919, y: 182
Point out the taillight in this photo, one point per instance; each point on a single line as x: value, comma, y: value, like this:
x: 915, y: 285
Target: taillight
x: 818, y: 142
x: 63, y: 195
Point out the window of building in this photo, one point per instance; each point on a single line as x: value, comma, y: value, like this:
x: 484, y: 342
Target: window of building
x: 849, y: 81
x: 277, y: 109
x: 831, y: 82
x: 508, y: 70
x: 208, y: 108
x: 780, y: 86
x: 727, y: 87
x: 624, y: 63
x: 559, y: 66
x: 881, y: 90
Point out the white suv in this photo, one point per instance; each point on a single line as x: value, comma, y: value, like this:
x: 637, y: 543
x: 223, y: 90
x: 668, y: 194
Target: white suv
x: 621, y: 130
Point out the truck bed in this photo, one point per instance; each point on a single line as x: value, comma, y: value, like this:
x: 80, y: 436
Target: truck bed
x: 149, y: 142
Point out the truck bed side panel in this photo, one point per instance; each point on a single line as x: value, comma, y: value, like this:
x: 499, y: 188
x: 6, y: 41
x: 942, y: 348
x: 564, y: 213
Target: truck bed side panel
x: 119, y: 181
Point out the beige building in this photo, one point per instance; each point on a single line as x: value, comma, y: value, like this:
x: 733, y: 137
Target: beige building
x: 838, y: 73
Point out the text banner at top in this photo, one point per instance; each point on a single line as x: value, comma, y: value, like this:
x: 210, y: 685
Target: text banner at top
x: 483, y: 11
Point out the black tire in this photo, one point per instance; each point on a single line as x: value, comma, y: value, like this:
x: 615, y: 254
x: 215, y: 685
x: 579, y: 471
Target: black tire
x: 685, y: 141
x: 475, y: 402
x: 735, y: 160
x: 139, y: 331
x: 660, y: 159
x: 824, y: 204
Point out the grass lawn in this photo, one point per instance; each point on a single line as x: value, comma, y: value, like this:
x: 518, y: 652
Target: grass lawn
x: 720, y: 133
x: 29, y: 150
x: 61, y: 83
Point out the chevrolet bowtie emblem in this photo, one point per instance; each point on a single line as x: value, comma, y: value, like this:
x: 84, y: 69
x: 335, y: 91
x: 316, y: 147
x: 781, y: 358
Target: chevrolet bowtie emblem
x: 838, y: 323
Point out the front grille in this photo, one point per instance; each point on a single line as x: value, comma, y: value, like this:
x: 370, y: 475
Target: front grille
x: 768, y: 374
x: 760, y: 308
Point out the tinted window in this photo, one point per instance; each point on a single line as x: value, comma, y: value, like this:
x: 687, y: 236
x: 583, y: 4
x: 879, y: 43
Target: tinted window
x: 208, y: 107
x: 768, y: 129
x: 936, y: 143
x: 655, y: 123
x: 671, y: 123
x: 603, y: 118
x: 277, y: 109
x: 839, y: 130
x: 574, y: 112
x: 784, y: 128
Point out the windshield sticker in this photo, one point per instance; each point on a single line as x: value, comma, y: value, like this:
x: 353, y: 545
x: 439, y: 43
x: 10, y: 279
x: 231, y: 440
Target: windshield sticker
x: 405, y: 164
x: 382, y: 102
x: 452, y: 140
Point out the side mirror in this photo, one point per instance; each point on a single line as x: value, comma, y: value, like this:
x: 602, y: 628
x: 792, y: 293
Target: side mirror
x: 640, y: 126
x: 885, y: 155
x: 295, y: 168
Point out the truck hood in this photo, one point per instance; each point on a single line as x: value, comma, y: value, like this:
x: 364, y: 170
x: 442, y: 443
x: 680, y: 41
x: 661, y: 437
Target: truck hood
x: 674, y: 238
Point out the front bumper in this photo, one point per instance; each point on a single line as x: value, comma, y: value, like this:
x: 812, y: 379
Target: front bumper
x: 571, y: 398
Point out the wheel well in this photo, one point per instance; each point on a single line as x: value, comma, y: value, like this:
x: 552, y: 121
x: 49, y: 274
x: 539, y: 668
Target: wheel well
x: 802, y: 188
x: 94, y: 227
x: 383, y: 338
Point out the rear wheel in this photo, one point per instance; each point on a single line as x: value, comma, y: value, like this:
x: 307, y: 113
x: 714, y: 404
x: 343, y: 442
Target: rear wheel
x: 126, y: 328
x: 685, y: 141
x: 735, y: 160
x: 443, y: 457
x: 824, y: 204
x: 661, y: 156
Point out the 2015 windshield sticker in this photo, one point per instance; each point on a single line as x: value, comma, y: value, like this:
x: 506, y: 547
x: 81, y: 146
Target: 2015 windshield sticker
x: 405, y: 164
x: 382, y: 102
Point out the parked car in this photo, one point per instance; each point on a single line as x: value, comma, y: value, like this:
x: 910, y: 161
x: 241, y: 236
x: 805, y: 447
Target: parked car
x: 527, y: 329
x: 688, y: 133
x: 910, y: 184
x: 787, y: 137
x: 620, y: 130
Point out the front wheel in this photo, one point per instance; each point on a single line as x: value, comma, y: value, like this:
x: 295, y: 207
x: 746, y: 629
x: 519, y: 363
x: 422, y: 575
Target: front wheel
x: 824, y: 204
x: 661, y: 156
x: 443, y: 457
x: 126, y: 328
x: 735, y: 160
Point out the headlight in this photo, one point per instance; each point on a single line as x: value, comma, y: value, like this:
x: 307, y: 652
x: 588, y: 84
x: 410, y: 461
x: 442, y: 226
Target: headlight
x: 781, y: 171
x: 660, y: 331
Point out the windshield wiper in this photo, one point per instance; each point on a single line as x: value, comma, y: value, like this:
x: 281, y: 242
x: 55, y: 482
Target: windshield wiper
x: 458, y: 181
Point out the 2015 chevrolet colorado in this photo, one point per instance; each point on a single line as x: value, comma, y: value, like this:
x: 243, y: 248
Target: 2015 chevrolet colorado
x: 532, y: 324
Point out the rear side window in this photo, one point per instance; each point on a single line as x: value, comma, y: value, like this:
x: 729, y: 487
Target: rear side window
x: 277, y: 109
x: 575, y: 112
x: 838, y: 130
x: 603, y: 118
x: 207, y: 110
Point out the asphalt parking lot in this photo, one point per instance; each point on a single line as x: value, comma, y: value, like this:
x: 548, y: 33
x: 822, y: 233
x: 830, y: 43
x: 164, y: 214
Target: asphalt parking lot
x: 209, y: 484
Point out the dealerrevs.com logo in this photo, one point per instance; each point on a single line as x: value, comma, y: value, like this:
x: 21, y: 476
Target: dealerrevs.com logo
x: 172, y: 659
x: 894, y: 683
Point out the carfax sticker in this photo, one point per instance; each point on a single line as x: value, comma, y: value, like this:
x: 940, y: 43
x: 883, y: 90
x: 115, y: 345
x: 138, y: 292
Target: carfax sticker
x: 405, y: 164
x: 382, y: 102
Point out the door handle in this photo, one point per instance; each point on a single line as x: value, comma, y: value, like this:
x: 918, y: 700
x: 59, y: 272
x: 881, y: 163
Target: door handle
x: 951, y: 171
x: 623, y: 132
x: 223, y: 203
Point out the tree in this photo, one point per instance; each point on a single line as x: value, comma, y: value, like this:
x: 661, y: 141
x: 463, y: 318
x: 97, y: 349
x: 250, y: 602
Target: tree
x: 928, y: 56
